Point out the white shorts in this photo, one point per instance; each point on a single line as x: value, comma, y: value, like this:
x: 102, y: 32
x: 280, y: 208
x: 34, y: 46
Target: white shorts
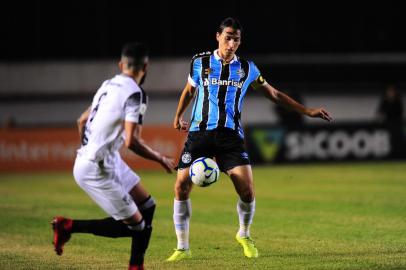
x: 108, y: 183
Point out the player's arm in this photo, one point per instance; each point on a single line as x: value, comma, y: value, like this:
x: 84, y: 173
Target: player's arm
x: 282, y: 99
x: 184, y: 101
x: 134, y: 142
x: 81, y: 121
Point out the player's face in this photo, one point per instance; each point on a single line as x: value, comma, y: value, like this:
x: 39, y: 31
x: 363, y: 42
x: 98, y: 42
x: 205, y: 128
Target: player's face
x: 229, y: 40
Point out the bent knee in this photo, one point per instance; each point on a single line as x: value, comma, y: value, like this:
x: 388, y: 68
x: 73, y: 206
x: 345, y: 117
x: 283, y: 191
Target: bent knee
x: 182, y: 188
x: 182, y: 192
x: 247, y: 196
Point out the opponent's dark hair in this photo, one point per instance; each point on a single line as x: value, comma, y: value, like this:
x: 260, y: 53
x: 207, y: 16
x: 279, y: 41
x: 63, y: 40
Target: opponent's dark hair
x: 136, y: 52
x: 229, y: 22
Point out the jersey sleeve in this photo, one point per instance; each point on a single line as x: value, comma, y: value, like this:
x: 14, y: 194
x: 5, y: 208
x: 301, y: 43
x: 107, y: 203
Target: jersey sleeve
x: 134, y: 109
x: 256, y: 77
x: 194, y: 74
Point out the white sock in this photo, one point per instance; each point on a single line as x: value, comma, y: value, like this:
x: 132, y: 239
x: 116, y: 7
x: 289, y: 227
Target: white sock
x: 182, y: 211
x: 245, y: 214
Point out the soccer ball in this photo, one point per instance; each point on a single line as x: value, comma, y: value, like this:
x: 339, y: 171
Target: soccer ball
x: 204, y: 172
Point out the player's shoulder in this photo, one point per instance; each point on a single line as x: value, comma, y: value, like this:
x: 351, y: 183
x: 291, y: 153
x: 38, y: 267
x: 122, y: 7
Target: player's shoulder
x: 126, y: 83
x: 245, y: 60
x: 246, y: 64
x: 202, y: 55
x: 123, y: 86
x: 133, y: 88
x: 114, y: 82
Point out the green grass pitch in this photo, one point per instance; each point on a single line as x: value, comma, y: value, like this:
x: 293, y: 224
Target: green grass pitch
x: 345, y: 216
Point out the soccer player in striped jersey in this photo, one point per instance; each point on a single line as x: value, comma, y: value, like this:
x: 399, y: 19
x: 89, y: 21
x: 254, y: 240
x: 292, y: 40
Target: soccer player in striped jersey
x: 115, y: 118
x: 219, y: 81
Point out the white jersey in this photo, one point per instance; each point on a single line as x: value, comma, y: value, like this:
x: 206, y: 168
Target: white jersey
x: 117, y: 100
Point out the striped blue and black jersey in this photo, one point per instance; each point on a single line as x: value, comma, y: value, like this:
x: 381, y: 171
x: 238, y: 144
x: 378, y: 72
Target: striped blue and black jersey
x: 220, y: 91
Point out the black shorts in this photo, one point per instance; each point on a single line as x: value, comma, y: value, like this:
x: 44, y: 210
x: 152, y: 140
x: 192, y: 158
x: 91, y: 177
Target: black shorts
x: 225, y: 145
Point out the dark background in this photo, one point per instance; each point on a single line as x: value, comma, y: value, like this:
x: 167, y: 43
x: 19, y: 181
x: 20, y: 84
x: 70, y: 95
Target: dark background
x: 73, y: 30
x: 69, y: 29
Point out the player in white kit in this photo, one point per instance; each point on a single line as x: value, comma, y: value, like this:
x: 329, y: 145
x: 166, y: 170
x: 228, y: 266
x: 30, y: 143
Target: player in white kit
x: 115, y: 118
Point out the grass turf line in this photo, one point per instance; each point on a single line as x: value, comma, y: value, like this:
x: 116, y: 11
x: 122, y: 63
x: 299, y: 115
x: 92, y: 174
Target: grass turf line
x: 345, y: 216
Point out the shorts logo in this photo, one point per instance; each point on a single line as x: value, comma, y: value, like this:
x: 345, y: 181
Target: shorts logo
x: 244, y: 155
x: 186, y: 157
x: 127, y: 200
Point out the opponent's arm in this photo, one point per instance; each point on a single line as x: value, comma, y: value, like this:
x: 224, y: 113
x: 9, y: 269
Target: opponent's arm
x: 81, y: 121
x: 134, y: 142
x: 282, y: 99
x: 184, y: 101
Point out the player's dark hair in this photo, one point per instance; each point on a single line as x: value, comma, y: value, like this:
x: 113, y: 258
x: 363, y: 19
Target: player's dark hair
x: 135, y: 52
x: 229, y: 22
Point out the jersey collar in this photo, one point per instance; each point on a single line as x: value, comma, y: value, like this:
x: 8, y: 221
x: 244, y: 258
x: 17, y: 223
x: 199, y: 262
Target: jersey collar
x: 218, y: 58
x: 124, y: 77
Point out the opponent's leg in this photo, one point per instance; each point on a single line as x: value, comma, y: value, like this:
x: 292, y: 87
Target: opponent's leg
x: 108, y: 227
x: 105, y: 189
x: 140, y: 241
x: 182, y: 211
x: 244, y: 185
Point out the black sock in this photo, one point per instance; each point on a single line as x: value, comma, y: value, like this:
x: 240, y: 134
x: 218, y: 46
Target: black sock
x: 139, y: 245
x: 107, y: 227
x: 140, y: 240
x: 148, y: 214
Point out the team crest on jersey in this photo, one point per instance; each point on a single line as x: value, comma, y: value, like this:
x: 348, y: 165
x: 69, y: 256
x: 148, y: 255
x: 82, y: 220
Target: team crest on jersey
x: 186, y: 157
x: 207, y: 71
x: 241, y: 72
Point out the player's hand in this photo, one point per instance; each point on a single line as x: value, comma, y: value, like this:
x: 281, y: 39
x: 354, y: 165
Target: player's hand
x: 168, y: 163
x: 180, y: 124
x: 320, y: 113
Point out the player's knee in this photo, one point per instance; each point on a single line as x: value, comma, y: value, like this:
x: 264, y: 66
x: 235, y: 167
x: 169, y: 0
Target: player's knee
x: 182, y: 189
x: 247, y: 195
x: 148, y: 214
x: 147, y: 209
x: 181, y: 193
